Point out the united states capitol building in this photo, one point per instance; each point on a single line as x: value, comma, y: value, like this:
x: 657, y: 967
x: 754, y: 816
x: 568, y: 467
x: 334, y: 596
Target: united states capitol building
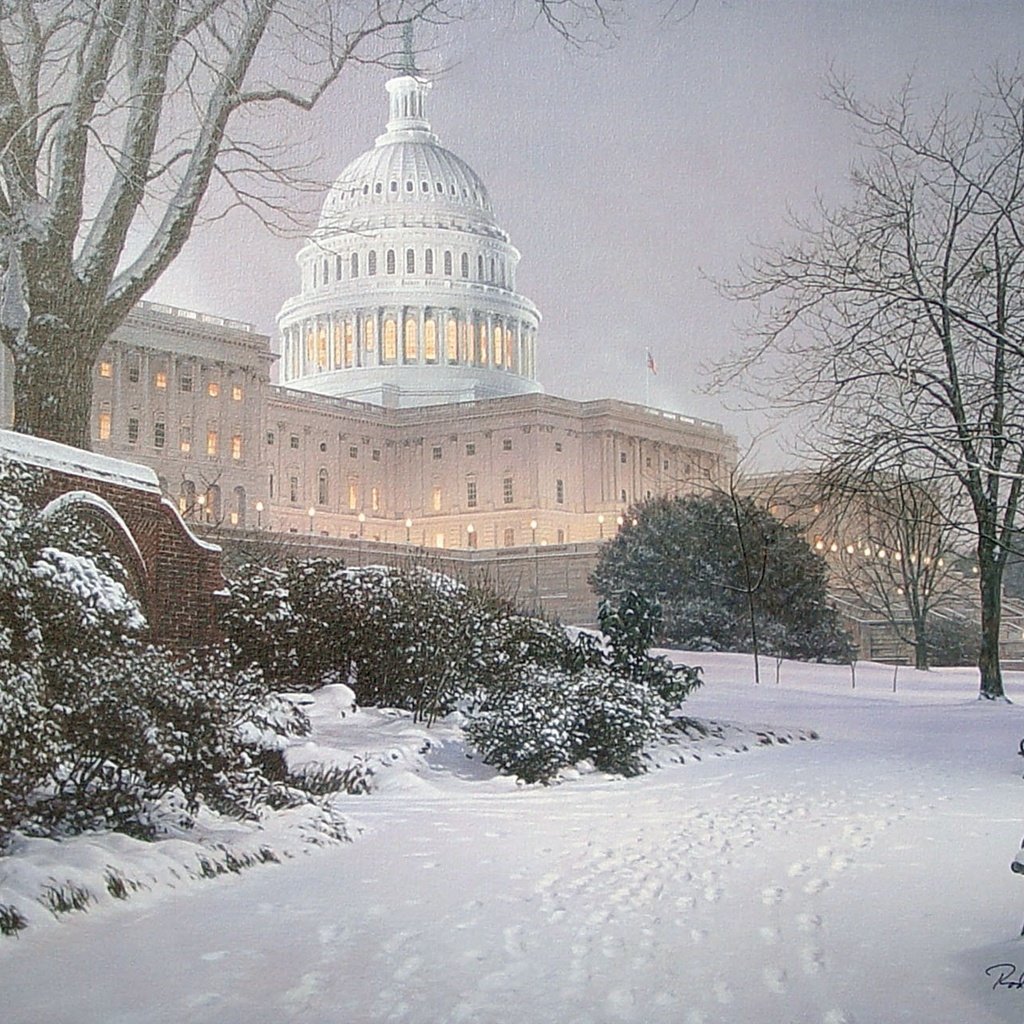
x: 399, y: 401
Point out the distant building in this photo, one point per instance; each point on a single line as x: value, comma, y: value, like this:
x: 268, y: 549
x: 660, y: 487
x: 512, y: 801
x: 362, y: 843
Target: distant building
x: 408, y: 407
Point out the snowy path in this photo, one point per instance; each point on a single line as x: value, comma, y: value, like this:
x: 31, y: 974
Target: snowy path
x: 860, y: 878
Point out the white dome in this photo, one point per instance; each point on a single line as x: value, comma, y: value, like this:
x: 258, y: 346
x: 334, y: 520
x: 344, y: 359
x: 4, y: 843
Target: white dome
x: 408, y: 284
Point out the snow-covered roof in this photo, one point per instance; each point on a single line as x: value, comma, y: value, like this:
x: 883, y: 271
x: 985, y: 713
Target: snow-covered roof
x: 35, y: 451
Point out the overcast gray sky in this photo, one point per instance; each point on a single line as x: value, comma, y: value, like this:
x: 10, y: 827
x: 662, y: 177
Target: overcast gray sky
x: 629, y: 173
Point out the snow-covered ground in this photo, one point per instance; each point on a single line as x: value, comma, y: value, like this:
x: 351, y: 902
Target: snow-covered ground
x: 863, y: 876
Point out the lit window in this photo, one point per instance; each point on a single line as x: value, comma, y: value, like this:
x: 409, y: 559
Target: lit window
x: 451, y: 341
x: 159, y: 434
x: 213, y: 389
x: 471, y: 493
x: 560, y: 536
x: 411, y: 346
x: 510, y: 537
x: 353, y: 495
x: 369, y: 334
x: 133, y: 430
x: 236, y: 392
x: 499, y: 352
x: 560, y: 492
x: 436, y: 453
x: 390, y: 340
x: 106, y: 369
x: 375, y: 499
x: 104, y: 426
x: 211, y: 442
x: 293, y: 441
x: 438, y: 540
x: 506, y: 490
x: 348, y: 350
x: 430, y: 341
x: 236, y: 446
x: 437, y: 499
x: 185, y: 438
x: 506, y: 445
x: 160, y: 380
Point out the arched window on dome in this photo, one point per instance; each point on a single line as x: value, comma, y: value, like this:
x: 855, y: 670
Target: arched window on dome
x: 425, y: 186
x: 316, y: 268
x: 390, y: 340
x: 411, y: 340
x: 366, y: 190
x: 430, y: 340
x: 499, y: 345
x: 321, y: 349
x: 369, y: 336
x: 327, y: 271
x: 448, y: 263
x: 378, y: 187
x: 322, y: 488
x: 451, y: 340
x: 348, y: 355
x: 371, y: 263
x: 394, y: 186
x: 428, y: 261
x: 465, y: 264
x: 310, y: 347
x: 354, y: 265
x: 409, y: 186
x: 389, y: 261
x: 439, y: 185
x: 339, y: 265
x: 410, y: 261
x: 480, y: 266
x: 493, y: 276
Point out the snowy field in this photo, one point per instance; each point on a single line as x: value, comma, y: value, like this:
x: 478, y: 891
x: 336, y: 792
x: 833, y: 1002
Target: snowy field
x: 860, y: 877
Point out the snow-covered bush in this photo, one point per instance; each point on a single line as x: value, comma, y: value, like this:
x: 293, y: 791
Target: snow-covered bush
x: 97, y: 729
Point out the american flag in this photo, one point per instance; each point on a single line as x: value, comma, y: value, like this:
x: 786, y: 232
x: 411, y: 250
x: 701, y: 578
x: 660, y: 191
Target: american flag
x: 651, y: 365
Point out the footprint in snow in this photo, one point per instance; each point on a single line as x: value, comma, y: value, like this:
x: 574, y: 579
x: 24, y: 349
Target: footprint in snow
x: 770, y: 935
x: 712, y: 894
x: 800, y: 868
x: 841, y: 863
x: 722, y: 992
x: 773, y: 895
x: 815, y: 885
x: 808, y: 922
x: 774, y: 979
x: 837, y: 1017
x: 812, y: 959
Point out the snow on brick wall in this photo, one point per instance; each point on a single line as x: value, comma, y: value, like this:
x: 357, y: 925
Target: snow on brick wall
x: 175, y: 574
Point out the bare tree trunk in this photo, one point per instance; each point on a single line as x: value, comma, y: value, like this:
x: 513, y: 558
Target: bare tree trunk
x: 53, y: 386
x: 921, y: 644
x: 991, y: 612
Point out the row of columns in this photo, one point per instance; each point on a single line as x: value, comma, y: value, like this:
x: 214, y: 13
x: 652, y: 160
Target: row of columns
x: 367, y: 338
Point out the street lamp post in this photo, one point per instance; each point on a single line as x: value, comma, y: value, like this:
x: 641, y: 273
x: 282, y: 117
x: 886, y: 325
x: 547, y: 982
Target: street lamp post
x: 259, y: 515
x: 311, y: 514
x: 362, y: 523
x: 408, y: 531
x: 600, y: 526
x: 471, y: 533
x: 533, y: 531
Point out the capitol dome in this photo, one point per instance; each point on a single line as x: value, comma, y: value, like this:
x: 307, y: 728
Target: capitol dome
x: 408, y: 284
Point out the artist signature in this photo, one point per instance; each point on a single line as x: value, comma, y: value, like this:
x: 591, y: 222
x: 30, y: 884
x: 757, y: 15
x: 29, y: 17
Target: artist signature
x: 1006, y: 976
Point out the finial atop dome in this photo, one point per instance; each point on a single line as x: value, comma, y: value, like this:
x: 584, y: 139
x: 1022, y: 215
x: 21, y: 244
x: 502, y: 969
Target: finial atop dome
x: 408, y: 94
x: 407, y: 65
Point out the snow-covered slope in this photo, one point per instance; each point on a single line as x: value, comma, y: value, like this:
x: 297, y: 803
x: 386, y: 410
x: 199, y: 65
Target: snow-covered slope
x: 860, y: 877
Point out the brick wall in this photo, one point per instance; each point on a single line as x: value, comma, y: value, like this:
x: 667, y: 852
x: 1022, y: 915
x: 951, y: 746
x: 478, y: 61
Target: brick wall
x: 173, y: 573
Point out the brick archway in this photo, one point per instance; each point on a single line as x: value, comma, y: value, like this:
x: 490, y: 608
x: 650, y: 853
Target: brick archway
x: 113, y: 533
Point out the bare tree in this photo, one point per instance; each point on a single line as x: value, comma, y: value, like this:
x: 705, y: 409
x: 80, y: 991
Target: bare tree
x: 898, y: 316
x: 889, y: 541
x: 117, y: 117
